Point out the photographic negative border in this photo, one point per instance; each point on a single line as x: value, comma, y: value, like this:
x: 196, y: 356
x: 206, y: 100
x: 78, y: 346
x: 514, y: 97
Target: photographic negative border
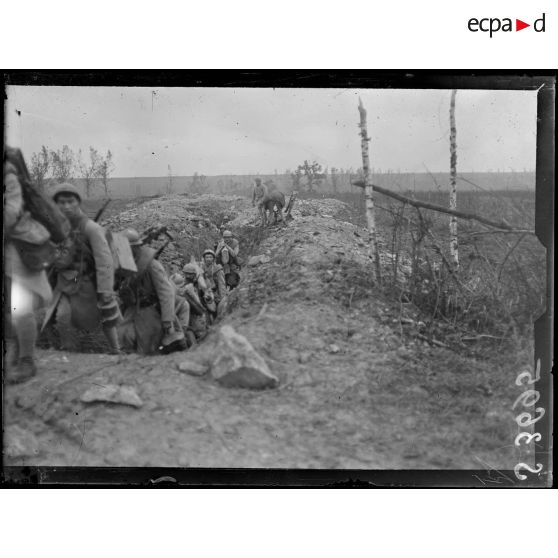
x: 544, y: 82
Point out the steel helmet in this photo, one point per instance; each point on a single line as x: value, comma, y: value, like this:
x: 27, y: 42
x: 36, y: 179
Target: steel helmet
x: 177, y: 279
x: 227, y: 234
x: 208, y: 251
x: 133, y: 237
x: 67, y: 189
x: 190, y: 268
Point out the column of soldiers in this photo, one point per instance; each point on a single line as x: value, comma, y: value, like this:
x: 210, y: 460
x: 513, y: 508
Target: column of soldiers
x: 146, y: 311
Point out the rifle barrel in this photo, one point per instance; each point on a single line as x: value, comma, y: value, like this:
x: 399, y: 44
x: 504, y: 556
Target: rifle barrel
x: 102, y: 210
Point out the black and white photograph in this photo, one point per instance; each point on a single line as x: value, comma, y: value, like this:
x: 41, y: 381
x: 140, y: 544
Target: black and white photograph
x: 292, y: 277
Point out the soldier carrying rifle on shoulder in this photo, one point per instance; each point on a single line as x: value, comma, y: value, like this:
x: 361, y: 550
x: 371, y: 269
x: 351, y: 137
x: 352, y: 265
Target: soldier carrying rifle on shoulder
x: 84, y: 293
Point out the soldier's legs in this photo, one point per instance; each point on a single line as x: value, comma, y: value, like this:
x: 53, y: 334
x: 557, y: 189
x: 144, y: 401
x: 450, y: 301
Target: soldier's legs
x: 25, y: 326
x: 10, y: 337
x: 23, y: 319
x: 183, y: 314
x: 66, y: 331
x: 182, y: 311
x: 111, y: 334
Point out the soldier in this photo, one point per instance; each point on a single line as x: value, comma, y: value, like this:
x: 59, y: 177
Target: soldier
x: 258, y: 193
x: 150, y: 305
x: 85, y: 276
x: 226, y: 254
x: 215, y: 279
x: 25, y: 289
x: 190, y: 284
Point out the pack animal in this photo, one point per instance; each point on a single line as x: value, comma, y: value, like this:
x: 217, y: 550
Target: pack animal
x: 268, y: 200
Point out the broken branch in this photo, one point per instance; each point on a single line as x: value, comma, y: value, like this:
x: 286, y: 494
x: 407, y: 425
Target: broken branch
x: 441, y: 209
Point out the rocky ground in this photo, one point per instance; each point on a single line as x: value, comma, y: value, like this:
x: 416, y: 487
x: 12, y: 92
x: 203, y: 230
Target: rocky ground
x: 359, y: 386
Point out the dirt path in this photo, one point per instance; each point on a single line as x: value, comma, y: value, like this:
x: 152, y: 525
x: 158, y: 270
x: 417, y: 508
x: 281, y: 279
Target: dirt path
x: 355, y: 391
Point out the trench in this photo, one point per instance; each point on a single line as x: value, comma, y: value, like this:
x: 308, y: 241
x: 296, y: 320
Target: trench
x: 175, y: 256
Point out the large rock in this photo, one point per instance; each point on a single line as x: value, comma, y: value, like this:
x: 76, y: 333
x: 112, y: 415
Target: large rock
x: 112, y: 394
x: 19, y: 442
x: 193, y: 368
x: 237, y: 364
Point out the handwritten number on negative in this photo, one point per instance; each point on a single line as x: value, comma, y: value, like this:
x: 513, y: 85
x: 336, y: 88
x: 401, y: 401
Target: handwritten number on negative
x: 530, y: 437
x: 525, y: 419
x: 520, y: 466
x: 528, y: 374
x: 524, y: 398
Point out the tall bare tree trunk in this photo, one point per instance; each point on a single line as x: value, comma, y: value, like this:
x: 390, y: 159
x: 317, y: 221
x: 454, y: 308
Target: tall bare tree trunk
x: 454, y: 251
x: 369, y: 194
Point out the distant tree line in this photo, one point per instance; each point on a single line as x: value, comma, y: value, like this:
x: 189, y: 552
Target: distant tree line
x: 64, y: 165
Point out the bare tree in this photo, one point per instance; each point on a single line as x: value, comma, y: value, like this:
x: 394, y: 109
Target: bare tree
x: 368, y: 193
x: 296, y: 177
x: 90, y: 170
x: 63, y: 164
x: 106, y: 168
x: 454, y: 251
x: 334, y: 179
x: 40, y: 165
x: 312, y: 172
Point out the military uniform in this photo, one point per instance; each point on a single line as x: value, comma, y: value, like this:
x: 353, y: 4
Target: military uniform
x: 89, y: 271
x: 197, y: 315
x: 149, y: 300
x: 226, y: 252
x: 84, y: 291
x: 25, y: 289
x: 215, y: 279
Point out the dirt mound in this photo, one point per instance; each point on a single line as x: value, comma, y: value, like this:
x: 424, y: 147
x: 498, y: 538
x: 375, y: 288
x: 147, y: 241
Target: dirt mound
x: 356, y: 390
x: 193, y: 221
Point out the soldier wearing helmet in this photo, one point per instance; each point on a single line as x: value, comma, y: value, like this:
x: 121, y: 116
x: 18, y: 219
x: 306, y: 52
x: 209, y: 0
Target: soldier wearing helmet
x: 155, y: 316
x: 191, y: 285
x: 215, y: 279
x: 84, y: 276
x: 226, y: 254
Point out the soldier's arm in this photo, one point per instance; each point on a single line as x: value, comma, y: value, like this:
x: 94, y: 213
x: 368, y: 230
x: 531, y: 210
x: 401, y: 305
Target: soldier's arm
x: 164, y: 289
x: 219, y: 247
x: 202, y: 283
x: 104, y: 264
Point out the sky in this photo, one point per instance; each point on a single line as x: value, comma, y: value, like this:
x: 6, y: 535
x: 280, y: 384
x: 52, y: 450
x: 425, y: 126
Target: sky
x: 217, y: 131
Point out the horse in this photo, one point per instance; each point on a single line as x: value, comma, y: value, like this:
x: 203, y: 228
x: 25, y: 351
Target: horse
x: 266, y: 198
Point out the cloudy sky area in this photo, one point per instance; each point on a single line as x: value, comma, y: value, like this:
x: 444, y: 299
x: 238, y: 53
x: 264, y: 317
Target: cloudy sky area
x: 246, y: 131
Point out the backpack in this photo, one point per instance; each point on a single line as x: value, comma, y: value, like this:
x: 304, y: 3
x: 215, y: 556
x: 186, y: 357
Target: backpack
x: 41, y: 208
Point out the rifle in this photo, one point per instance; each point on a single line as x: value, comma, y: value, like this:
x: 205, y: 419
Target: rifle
x: 101, y: 211
x: 153, y: 233
x: 160, y: 250
x: 290, y: 205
